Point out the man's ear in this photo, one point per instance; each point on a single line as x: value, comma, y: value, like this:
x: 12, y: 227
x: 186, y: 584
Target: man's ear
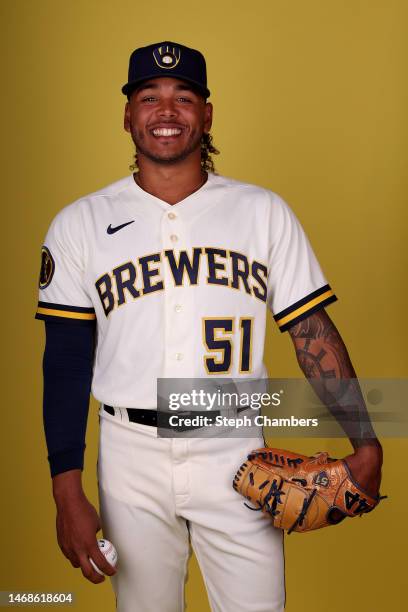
x: 126, y: 118
x: 208, y: 117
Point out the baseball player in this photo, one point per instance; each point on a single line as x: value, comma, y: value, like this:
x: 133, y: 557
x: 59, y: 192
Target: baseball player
x: 168, y: 273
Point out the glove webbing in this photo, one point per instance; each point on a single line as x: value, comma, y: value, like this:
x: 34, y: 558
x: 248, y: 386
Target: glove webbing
x: 275, y: 493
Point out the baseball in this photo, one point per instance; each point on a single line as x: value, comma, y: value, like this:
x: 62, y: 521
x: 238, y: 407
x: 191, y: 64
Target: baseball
x: 107, y: 549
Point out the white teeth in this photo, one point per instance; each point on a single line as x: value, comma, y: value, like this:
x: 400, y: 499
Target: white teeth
x: 166, y: 131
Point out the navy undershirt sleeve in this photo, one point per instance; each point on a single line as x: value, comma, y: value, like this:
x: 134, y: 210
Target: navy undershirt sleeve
x: 67, y: 368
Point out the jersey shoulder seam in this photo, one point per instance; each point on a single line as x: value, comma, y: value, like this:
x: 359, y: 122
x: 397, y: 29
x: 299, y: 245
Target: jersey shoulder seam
x: 106, y: 192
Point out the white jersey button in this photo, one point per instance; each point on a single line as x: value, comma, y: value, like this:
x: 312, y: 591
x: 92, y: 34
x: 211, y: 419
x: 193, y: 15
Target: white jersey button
x: 178, y: 308
x: 179, y: 356
x: 171, y: 216
x: 173, y: 238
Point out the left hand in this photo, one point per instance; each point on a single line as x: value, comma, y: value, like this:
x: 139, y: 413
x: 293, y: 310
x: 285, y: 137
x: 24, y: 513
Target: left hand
x: 365, y: 467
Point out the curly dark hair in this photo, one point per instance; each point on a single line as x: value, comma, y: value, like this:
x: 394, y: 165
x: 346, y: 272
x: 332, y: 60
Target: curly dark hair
x: 207, y: 149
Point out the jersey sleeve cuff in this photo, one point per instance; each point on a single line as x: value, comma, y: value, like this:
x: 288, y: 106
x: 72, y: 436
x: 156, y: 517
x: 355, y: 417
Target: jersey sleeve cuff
x: 305, y: 307
x: 64, y: 461
x: 47, y: 311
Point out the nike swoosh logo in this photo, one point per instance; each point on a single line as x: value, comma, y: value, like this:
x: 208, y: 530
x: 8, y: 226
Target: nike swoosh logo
x: 113, y: 230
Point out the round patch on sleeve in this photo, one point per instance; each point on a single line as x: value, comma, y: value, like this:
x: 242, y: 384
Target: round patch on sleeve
x: 47, y: 267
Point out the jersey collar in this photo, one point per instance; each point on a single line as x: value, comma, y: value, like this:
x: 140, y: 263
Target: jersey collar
x: 189, y: 205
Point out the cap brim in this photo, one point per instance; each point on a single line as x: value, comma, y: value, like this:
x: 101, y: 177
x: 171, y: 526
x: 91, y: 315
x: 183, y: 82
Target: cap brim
x: 129, y: 87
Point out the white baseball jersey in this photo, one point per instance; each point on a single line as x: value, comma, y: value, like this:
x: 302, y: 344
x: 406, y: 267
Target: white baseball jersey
x: 178, y: 290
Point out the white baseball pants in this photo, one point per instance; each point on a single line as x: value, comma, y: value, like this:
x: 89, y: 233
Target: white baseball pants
x: 158, y: 495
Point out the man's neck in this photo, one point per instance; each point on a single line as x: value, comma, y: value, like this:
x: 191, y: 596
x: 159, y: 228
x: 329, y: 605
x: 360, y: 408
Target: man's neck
x: 170, y: 183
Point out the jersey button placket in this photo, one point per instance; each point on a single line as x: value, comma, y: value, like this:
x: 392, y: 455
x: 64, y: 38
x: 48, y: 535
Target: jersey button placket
x: 177, y: 335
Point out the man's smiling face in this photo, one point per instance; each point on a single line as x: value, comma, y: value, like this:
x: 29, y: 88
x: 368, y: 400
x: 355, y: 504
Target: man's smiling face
x: 166, y: 119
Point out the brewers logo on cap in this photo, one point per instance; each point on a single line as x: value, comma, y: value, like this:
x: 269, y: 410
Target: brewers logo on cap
x: 47, y: 268
x: 167, y: 57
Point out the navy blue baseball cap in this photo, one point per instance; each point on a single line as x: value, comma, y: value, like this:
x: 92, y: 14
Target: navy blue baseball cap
x: 167, y: 59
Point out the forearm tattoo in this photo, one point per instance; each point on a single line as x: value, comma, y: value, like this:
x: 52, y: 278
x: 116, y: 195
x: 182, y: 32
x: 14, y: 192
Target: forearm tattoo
x: 324, y: 360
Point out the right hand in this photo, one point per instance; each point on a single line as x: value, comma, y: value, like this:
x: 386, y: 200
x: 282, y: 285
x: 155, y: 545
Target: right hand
x: 77, y: 524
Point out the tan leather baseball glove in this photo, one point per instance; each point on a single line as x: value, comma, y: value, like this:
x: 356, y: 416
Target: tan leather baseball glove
x: 301, y: 493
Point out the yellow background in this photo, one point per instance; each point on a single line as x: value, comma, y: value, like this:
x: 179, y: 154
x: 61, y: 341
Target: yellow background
x: 310, y: 101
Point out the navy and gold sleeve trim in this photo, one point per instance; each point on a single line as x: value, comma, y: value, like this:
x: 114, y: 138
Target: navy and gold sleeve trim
x: 53, y: 312
x: 305, y: 307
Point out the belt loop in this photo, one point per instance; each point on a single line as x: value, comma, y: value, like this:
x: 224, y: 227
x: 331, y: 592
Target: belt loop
x: 122, y: 413
x: 117, y: 412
